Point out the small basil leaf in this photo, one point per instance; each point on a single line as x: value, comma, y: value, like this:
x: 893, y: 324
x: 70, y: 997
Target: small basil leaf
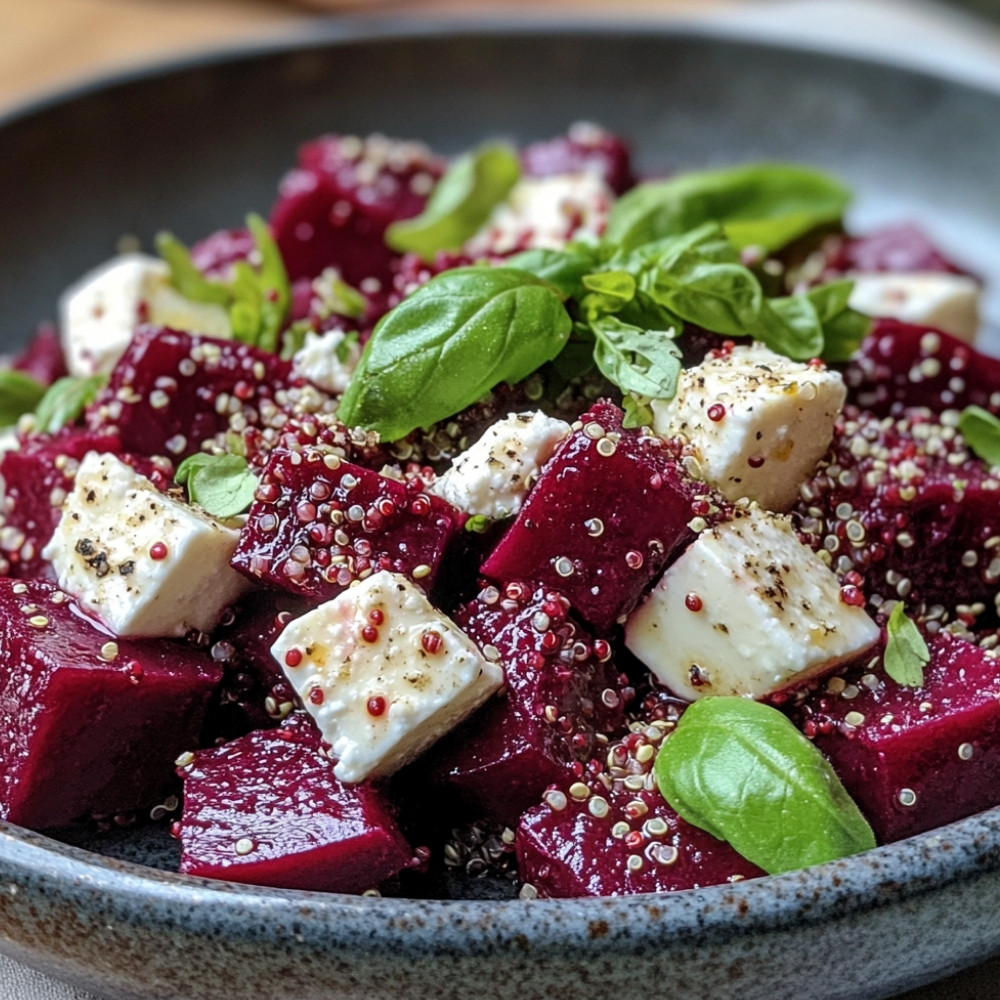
x: 564, y: 269
x: 185, y: 276
x: 449, y: 343
x: 334, y: 296
x: 816, y: 323
x: 843, y: 327
x: 638, y: 412
x: 906, y: 653
x: 981, y: 431
x: 273, y: 289
x: 790, y: 326
x: 460, y: 204
x: 740, y: 770
x: 294, y: 338
x: 19, y: 394
x: 646, y: 362
x: 65, y: 400
x: 222, y: 485
x: 766, y: 205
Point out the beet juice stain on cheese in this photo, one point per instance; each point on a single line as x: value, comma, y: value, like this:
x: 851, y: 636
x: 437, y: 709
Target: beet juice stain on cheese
x: 506, y: 525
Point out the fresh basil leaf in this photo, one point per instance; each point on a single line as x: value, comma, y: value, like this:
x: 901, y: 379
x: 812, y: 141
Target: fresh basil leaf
x: 790, y: 326
x: 294, y: 338
x: 460, y: 204
x: 449, y: 343
x: 576, y: 358
x: 334, y: 296
x: 740, y: 770
x: 646, y: 362
x: 65, y: 400
x: 981, y: 431
x: 222, y: 485
x: 906, y: 653
x: 185, y: 276
x: 19, y: 394
x: 638, y: 412
x: 816, y: 323
x: 563, y: 269
x: 765, y: 204
x: 273, y: 288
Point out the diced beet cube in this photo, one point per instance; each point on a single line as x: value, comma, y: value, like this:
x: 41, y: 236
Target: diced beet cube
x: 584, y: 148
x: 334, y: 209
x: 173, y: 391
x: 36, y: 479
x: 43, y: 358
x: 215, y: 255
x: 609, y: 509
x: 611, y: 833
x: 903, y: 503
x: 902, y: 248
x: 915, y: 758
x: 902, y: 365
x: 266, y: 809
x: 254, y: 693
x: 319, y: 523
x: 562, y: 691
x: 89, y: 725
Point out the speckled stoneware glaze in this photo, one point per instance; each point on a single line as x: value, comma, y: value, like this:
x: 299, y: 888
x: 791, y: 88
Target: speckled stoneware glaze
x: 193, y: 148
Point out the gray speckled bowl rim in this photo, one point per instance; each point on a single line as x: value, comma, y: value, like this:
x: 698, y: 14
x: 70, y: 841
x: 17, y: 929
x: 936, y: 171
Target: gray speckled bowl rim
x: 959, y: 854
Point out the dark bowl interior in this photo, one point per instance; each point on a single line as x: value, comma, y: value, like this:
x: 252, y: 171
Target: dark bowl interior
x: 193, y: 148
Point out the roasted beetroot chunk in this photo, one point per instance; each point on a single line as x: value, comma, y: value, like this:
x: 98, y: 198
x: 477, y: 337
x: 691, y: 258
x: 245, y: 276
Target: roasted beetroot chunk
x: 215, y: 255
x: 36, y: 479
x: 334, y: 209
x: 563, y: 694
x: 43, y: 358
x: 607, y: 512
x: 89, y: 725
x: 584, y: 148
x: 915, y: 758
x: 266, y: 809
x: 172, y: 391
x: 318, y: 523
x: 901, y: 248
x: 901, y: 502
x: 611, y: 833
x: 901, y: 365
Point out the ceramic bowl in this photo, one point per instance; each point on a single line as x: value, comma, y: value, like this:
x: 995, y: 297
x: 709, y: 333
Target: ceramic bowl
x: 195, y: 146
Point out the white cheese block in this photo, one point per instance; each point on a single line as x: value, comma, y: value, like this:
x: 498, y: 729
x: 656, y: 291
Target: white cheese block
x: 383, y: 673
x: 547, y: 212
x: 326, y: 361
x: 757, y: 422
x: 746, y: 610
x: 948, y: 302
x: 493, y: 477
x: 99, y: 313
x: 143, y: 563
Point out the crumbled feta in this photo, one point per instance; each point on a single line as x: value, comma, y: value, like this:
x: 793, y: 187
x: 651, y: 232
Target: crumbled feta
x: 547, y: 212
x: 383, y: 673
x: 327, y: 361
x: 493, y: 477
x: 99, y: 313
x: 757, y: 422
x: 143, y: 563
x: 747, y: 609
x: 948, y: 302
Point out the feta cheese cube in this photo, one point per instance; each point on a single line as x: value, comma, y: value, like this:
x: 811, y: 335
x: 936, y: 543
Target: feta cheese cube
x: 493, y: 477
x: 143, y: 563
x: 99, y: 313
x: 948, y: 302
x: 383, y: 673
x: 757, y: 422
x: 547, y: 212
x: 747, y: 609
x: 327, y: 361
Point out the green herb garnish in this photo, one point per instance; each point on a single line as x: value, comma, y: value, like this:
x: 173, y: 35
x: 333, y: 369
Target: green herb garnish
x: 981, y: 431
x: 742, y: 771
x: 222, y: 485
x: 19, y: 394
x: 906, y: 653
x: 65, y: 400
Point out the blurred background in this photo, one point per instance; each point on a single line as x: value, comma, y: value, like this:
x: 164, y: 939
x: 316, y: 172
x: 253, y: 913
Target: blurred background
x: 47, y: 45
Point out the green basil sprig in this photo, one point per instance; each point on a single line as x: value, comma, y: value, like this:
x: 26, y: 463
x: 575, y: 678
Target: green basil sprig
x: 257, y: 297
x: 906, y: 653
x: 460, y: 204
x: 740, y: 770
x: 449, y: 343
x: 65, y: 400
x: 763, y: 204
x: 981, y: 431
x: 222, y: 485
x: 19, y: 394
x: 644, y: 362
